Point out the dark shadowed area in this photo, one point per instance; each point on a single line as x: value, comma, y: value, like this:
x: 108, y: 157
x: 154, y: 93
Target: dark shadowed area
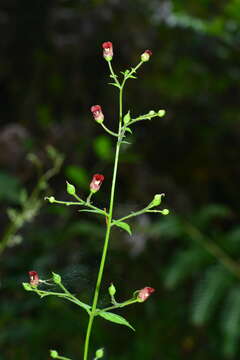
x: 51, y: 73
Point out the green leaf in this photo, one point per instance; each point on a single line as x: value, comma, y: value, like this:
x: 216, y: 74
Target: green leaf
x: 114, y: 84
x: 129, y: 130
x: 123, y: 226
x: 94, y: 211
x: 115, y: 318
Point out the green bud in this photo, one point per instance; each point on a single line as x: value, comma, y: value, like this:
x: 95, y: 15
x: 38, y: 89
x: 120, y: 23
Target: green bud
x: 156, y: 200
x: 27, y: 286
x: 127, y: 117
x: 99, y: 353
x: 57, y: 278
x: 71, y: 189
x: 151, y: 112
x: 112, y: 290
x: 165, y: 211
x: 54, y: 354
x: 161, y: 113
x: 51, y: 199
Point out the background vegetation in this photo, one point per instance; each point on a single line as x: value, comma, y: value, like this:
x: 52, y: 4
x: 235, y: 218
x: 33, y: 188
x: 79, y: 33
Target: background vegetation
x: 51, y: 72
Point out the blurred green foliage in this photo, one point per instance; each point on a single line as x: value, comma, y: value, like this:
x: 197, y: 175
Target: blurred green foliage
x: 51, y: 73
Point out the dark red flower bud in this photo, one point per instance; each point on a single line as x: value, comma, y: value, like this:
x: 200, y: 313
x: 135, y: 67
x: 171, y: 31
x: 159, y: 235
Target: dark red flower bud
x: 107, y: 50
x: 145, y: 293
x: 34, y: 278
x: 146, y: 55
x: 97, y: 113
x: 96, y: 182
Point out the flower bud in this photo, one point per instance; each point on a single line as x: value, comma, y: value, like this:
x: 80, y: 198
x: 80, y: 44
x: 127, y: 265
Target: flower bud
x: 156, y: 200
x: 57, y: 278
x: 54, y: 354
x: 97, y: 113
x: 99, y: 353
x: 107, y: 50
x: 71, y: 189
x: 127, y: 118
x: 146, y: 55
x: 51, y: 199
x: 144, y: 293
x: 27, y: 286
x: 112, y: 290
x: 151, y: 112
x: 165, y: 211
x: 161, y: 113
x: 34, y: 278
x: 96, y: 182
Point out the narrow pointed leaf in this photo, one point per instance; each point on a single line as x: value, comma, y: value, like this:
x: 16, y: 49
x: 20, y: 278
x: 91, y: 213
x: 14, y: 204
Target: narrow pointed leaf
x: 129, y: 130
x: 115, y: 318
x: 123, y: 226
x: 113, y: 84
x: 94, y: 211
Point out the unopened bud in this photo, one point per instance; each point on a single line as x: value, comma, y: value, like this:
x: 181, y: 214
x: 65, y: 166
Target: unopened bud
x: 54, y: 354
x: 51, y: 199
x: 99, y: 353
x: 127, y: 118
x: 165, y: 211
x: 112, y: 290
x: 57, y: 278
x: 161, y: 113
x: 156, y: 200
x: 146, y: 55
x: 27, y: 286
x: 71, y: 189
x: 151, y: 112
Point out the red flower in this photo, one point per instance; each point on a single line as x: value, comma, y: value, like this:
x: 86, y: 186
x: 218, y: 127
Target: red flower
x: 145, y: 293
x: 146, y: 55
x: 34, y: 278
x: 97, y: 113
x: 96, y: 182
x: 107, y: 50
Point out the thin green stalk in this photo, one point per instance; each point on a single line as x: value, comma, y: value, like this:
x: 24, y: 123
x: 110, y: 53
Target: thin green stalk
x: 107, y: 236
x: 110, y: 215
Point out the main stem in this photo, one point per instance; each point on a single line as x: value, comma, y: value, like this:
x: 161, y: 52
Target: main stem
x: 108, y: 231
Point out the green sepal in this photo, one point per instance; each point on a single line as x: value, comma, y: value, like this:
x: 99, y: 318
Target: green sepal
x: 117, y: 319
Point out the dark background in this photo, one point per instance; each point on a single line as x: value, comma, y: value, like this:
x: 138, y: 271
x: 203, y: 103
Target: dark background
x: 51, y: 73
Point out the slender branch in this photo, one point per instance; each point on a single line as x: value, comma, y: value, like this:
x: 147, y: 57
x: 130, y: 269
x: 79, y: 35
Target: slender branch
x: 109, y: 131
x: 114, y: 76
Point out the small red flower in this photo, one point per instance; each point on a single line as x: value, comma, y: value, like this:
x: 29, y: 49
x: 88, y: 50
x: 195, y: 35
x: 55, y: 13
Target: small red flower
x: 107, y: 50
x: 96, y: 182
x: 97, y: 113
x: 145, y: 293
x: 146, y: 55
x: 34, y: 278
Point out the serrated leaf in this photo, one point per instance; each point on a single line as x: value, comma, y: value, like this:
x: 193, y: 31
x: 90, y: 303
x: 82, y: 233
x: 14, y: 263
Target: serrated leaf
x: 117, y: 319
x: 123, y: 226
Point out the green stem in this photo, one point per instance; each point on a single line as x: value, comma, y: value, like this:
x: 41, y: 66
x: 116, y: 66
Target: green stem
x: 107, y: 236
x: 121, y: 305
x: 104, y: 253
x: 110, y: 215
x: 109, y: 131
